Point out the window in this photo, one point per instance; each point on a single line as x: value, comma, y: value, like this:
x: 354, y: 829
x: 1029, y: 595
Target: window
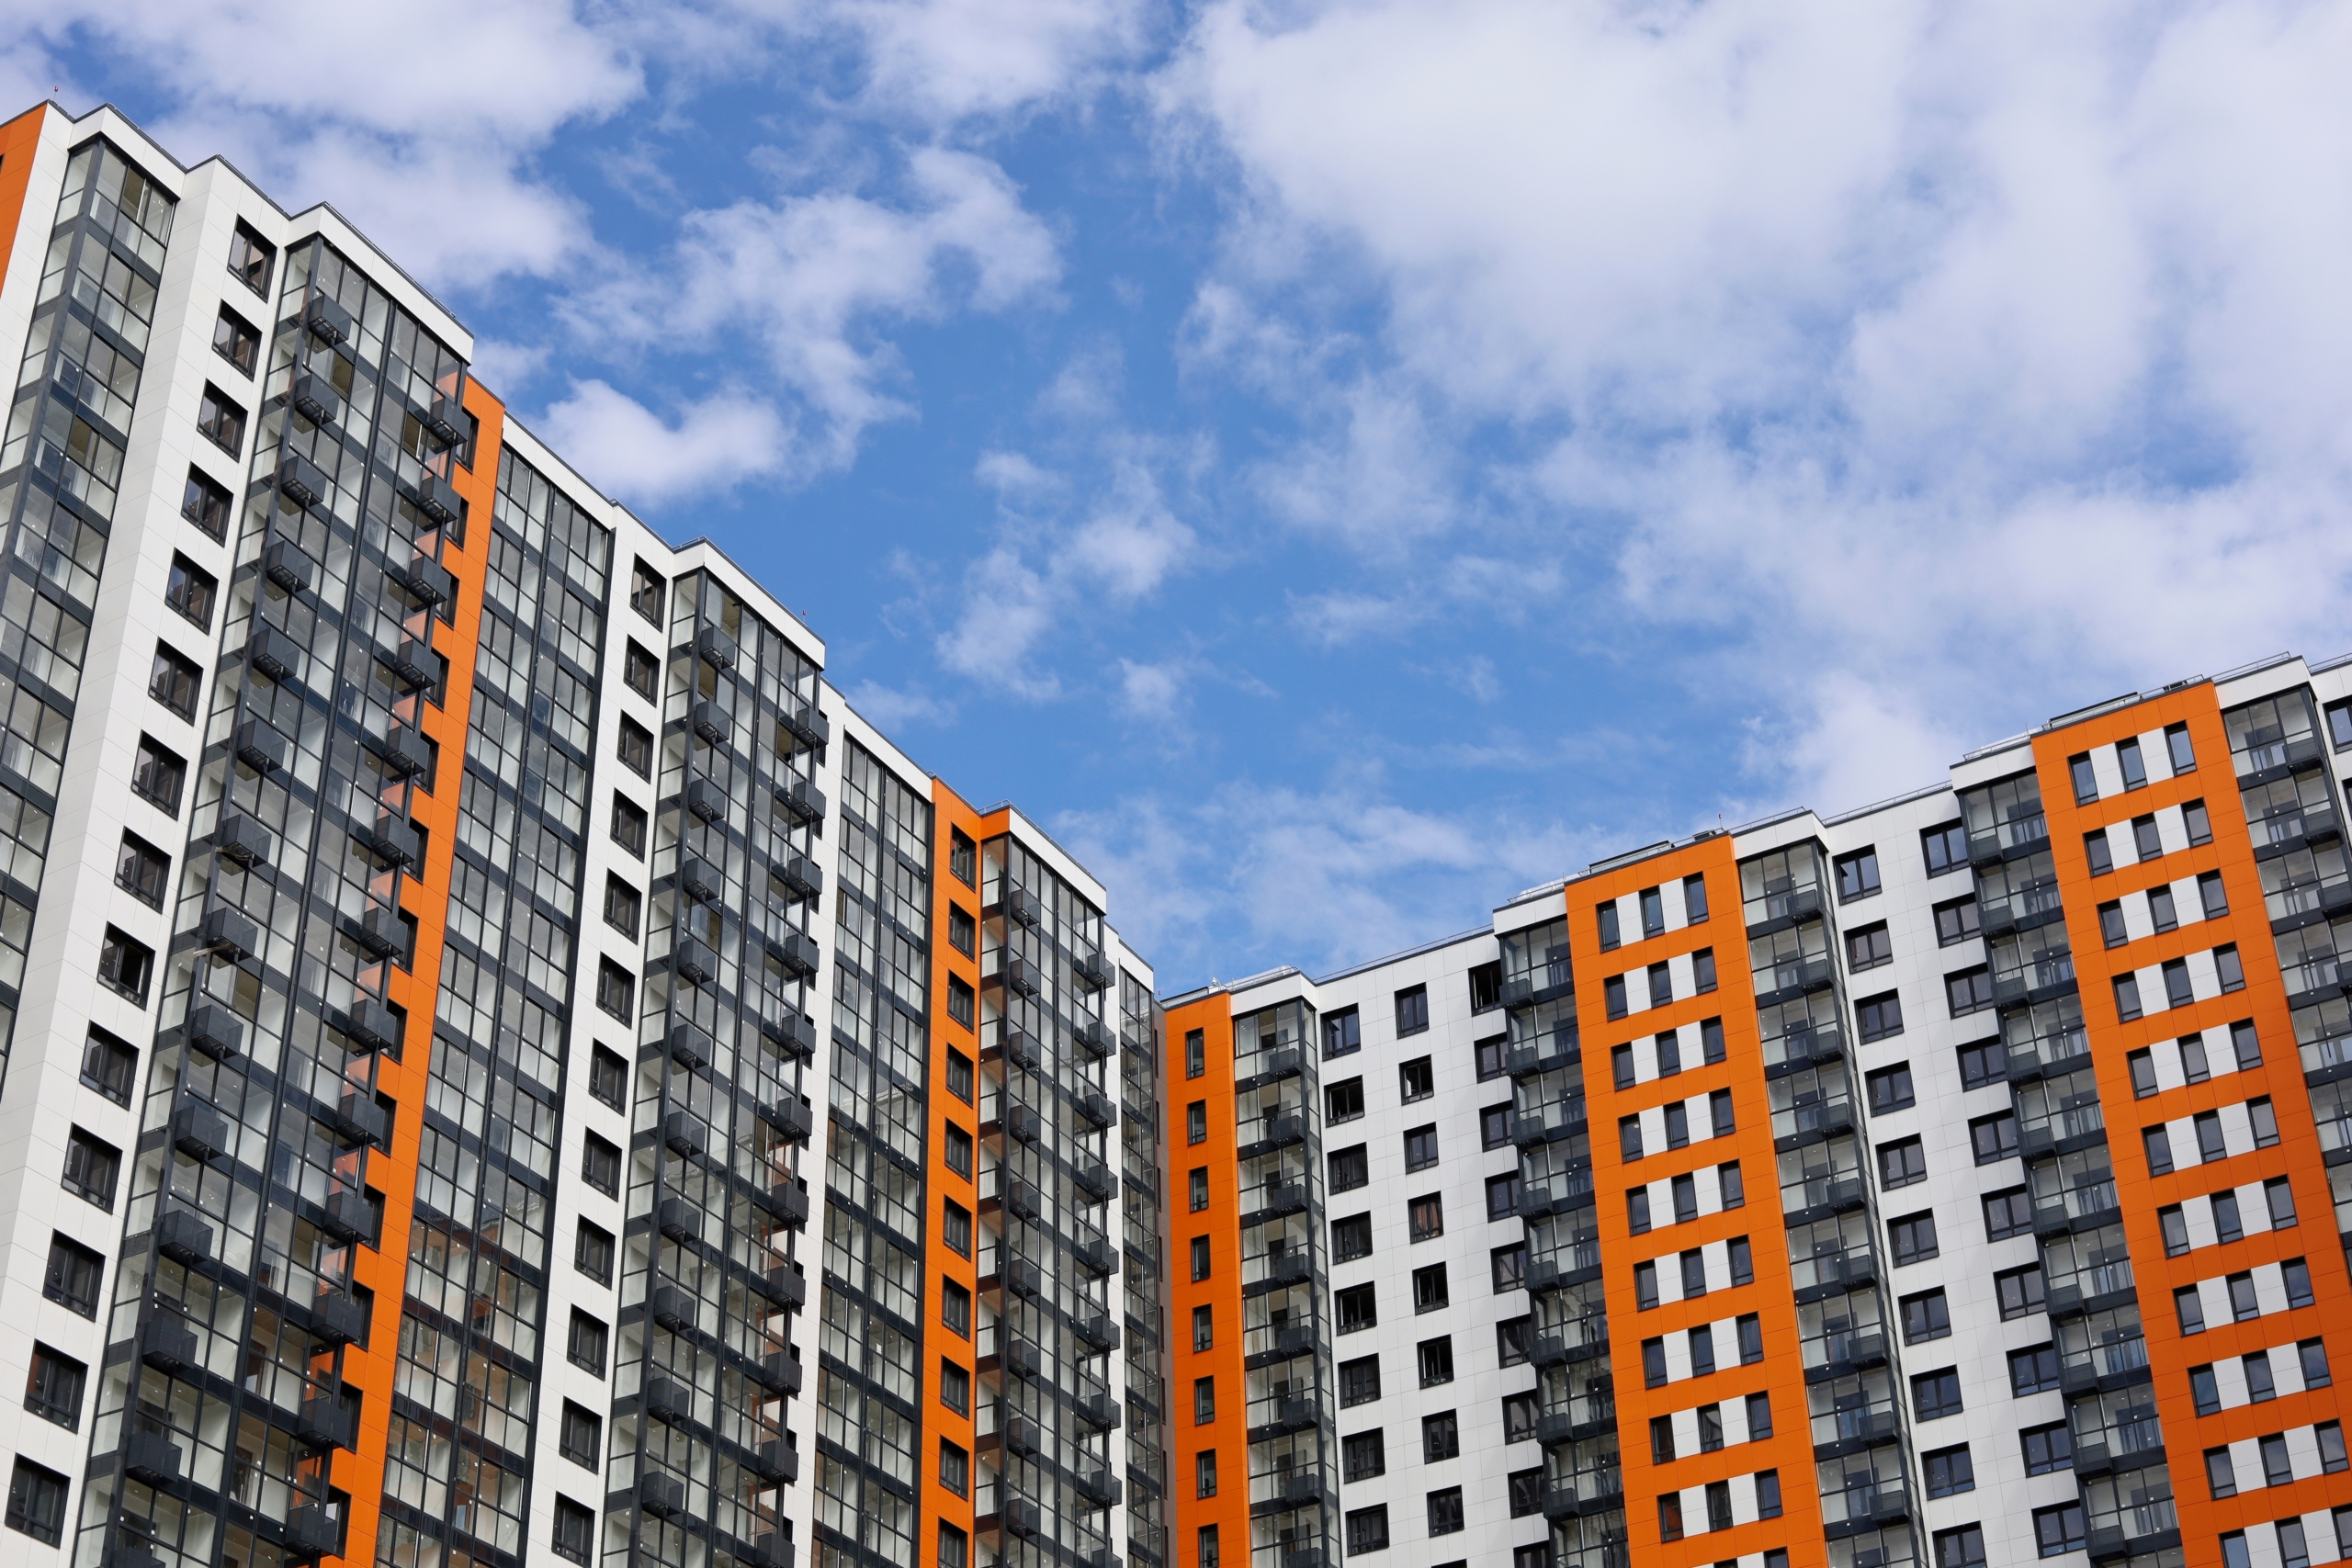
x: 955, y: 1302
x: 1711, y: 1039
x: 623, y: 905
x: 961, y: 1000
x: 1412, y: 1010
x: 2296, y: 1275
x: 1416, y: 1080
x: 175, y: 680
x: 1879, y: 1016
x: 640, y: 672
x: 1653, y: 905
x: 1720, y: 1114
x: 1445, y: 1511
x: 157, y: 775
x: 1527, y: 1497
x: 191, y: 591
x: 616, y: 991
x: 1606, y: 915
x: 110, y: 1065
x: 206, y: 503
x: 1645, y: 1285
x: 53, y: 1392
x: 1637, y: 1210
x: 1428, y: 1288
x: 1857, y: 874
x: 645, y: 591
x: 1368, y: 1530
x: 220, y: 420
x: 2312, y: 1354
x: 1759, y: 1417
x: 1342, y: 1033
x: 962, y: 856
x: 1197, y: 1189
x: 959, y: 1074
x: 2033, y: 1369
x: 1343, y: 1102
x: 2111, y: 928
x: 1350, y: 1169
x: 2177, y: 992
x: 1493, y: 1126
x: 1427, y: 1217
x: 1670, y: 1515
x: 1206, y: 1552
x: 2085, y: 778
x: 1912, y: 1237
x: 1490, y: 1055
x: 581, y: 1440
x: 2019, y: 1291
x: 609, y: 1078
x: 1935, y: 1395
x: 2047, y: 1448
x: 1204, y: 1474
x: 1420, y: 1146
x: 1354, y: 1308
x: 2096, y: 851
x: 1925, y: 1316
x: 955, y: 1468
x: 2058, y: 1530
x: 74, y: 1274
x: 2198, y: 822
x: 1359, y: 1381
x: 955, y: 1228
x: 1730, y: 1191
x: 2331, y: 1458
x: 1196, y: 1121
x: 2294, y: 1550
x: 1869, y: 947
x: 1968, y: 992
x: 1694, y: 900
x: 1944, y: 849
x: 125, y: 965
x: 963, y: 934
x: 1612, y: 992
x: 250, y: 258
x: 628, y: 825
x: 140, y: 870
x: 600, y: 1164
x: 2176, y: 746
x: 2227, y: 966
x: 1993, y: 1137
x: 2191, y: 1306
x: 2008, y: 1213
x: 1486, y: 987
x: 956, y: 1387
x: 1508, y: 1267
x: 1661, y: 984
x: 586, y: 1343
x: 636, y: 750
x: 2211, y: 896
x: 1435, y: 1359
x: 1982, y: 1064
x: 1653, y: 1362
x: 1200, y: 1258
x: 1902, y: 1163
x: 37, y: 1502
x: 1956, y: 920
x: 2157, y: 1142
x: 1890, y: 1089
x: 2211, y: 1143
x: 592, y: 1253
x: 1962, y: 1547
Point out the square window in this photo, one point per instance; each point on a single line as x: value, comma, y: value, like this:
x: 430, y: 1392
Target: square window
x: 1493, y: 1126
x: 1925, y: 1316
x: 37, y: 1502
x: 1486, y: 987
x: 190, y: 589
x: 2033, y: 1370
x: 1416, y: 1080
x: 1913, y: 1238
x: 158, y: 775
x: 220, y: 421
x: 1869, y: 947
x: 1935, y: 1395
x: 1342, y: 1033
x: 1968, y: 992
x: 250, y: 258
x: 1982, y: 1064
x: 1962, y: 1547
x: 2018, y: 1291
x: 53, y: 1391
x: 609, y: 1078
x: 2047, y: 1448
x: 1429, y: 1288
x: 1343, y: 1102
x: 1359, y: 1381
x: 2059, y: 1530
x: 1945, y: 849
x: 1956, y: 920
x: 600, y: 1164
x: 623, y: 906
x: 175, y: 680
x: 1427, y: 1215
x: 1881, y: 1017
x: 636, y: 747
x: 1350, y: 1168
x: 1890, y: 1089
x: 1412, y: 1010
x: 1421, y: 1148
x: 1857, y: 874
x: 110, y: 1065
x: 1354, y: 1308
x: 1900, y: 1163
x: 616, y: 991
x: 125, y: 965
x: 2008, y: 1213
x: 142, y: 870
x: 1509, y: 1265
x: 1368, y: 1530
x: 1441, y: 1438
x: 1435, y: 1359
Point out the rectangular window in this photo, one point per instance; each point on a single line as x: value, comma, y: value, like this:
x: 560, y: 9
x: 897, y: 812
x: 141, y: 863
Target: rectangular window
x: 1350, y: 1168
x: 220, y: 420
x: 1502, y: 1196
x: 640, y: 672
x: 1426, y: 1216
x: 2047, y: 1448
x: 1694, y: 900
x: 142, y: 870
x: 110, y: 1065
x: 609, y: 1078
x: 1359, y: 1381
x: 158, y: 775
x: 1493, y: 1126
x: 1428, y: 1288
x: 1982, y: 1064
x: 1203, y: 1401
x: 1968, y: 992
x: 2146, y: 842
x: 1412, y: 1010
x: 1606, y: 915
x: 206, y: 503
x: 1902, y: 1163
x: 600, y: 1164
x: 1890, y: 1089
x: 1881, y: 1017
x: 1421, y: 1148
x: 1342, y: 1033
x: 1416, y: 1079
x: 1343, y: 1102
x: 74, y: 1275
x: 962, y: 856
x: 623, y: 906
x: 2009, y: 1213
x: 1486, y: 987
x: 580, y: 1438
x: 1354, y: 1308
x: 191, y: 589
x: 956, y: 1307
x: 2096, y: 851
x: 585, y: 1344
x: 956, y: 1227
x: 1956, y: 920
x: 1435, y: 1359
x: 175, y: 680
x: 636, y: 747
x: 37, y: 1502
x: 1368, y: 1530
x: 1205, y: 1548
x: 956, y: 1387
x: 1993, y: 1137
x: 962, y: 1000
x: 2127, y: 757
x: 1857, y: 874
x: 2033, y: 1370
x: 1869, y: 947
x: 592, y: 1253
x: 1935, y: 1395
x: 251, y: 258
x: 125, y: 965
x: 1944, y: 849
x: 2198, y: 822
x: 955, y: 1468
x: 2127, y: 998
x: 1445, y: 1511
x: 628, y: 825
x: 1196, y: 1121
x: 2018, y: 1291
x: 1204, y: 1474
x: 53, y: 1392
x: 1200, y: 1258
x: 616, y: 991
x: 1912, y: 1237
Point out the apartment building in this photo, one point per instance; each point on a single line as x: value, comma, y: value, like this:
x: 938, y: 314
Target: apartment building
x: 503, y: 1063
x: 1956, y: 1180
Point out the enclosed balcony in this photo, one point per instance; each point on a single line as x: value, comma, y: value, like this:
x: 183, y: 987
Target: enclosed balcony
x: 2131, y: 1514
x: 2105, y: 1350
x: 1842, y: 1333
x: 1829, y: 1256
x: 1790, y: 962
x: 2004, y: 817
x: 1783, y: 886
x: 1543, y: 1039
x: 2076, y: 1187
x: 1821, y: 1180
x: 2116, y: 1430
x: 1810, y: 1104
x: 2291, y: 810
x: 1536, y: 965
x: 1863, y: 1491
x: 1803, y: 1029
x: 2031, y: 964
x: 1851, y: 1414
x: 2046, y: 1038
x: 2017, y: 892
x: 2059, y: 1113
x: 2309, y: 879
x: 2085, y: 1271
x: 2276, y: 733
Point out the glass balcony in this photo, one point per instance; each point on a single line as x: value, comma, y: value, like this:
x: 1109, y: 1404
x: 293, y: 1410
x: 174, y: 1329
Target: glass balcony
x: 2111, y: 1429
x: 1542, y: 1038
x: 1843, y: 1333
x: 2017, y: 892
x: 2031, y: 962
x: 2053, y: 1110
x: 1825, y: 1175
x: 1891, y: 1546
x: 2288, y: 810
x: 1535, y: 964
x: 1782, y: 886
x: 2305, y: 879
x: 2331, y: 1109
x: 1849, y: 1412
x: 2131, y: 1513
x: 2085, y: 1267
x: 2004, y: 817
x: 2076, y: 1186
x: 2105, y: 1345
x: 1791, y: 960
x: 1863, y: 1489
x: 1576, y: 1404
x: 1804, y: 1028
x: 1593, y: 1541
x: 1813, y: 1103
x: 2276, y: 732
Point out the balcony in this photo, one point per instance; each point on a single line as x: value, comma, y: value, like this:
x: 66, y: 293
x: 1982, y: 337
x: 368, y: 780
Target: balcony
x: 228, y: 935
x: 182, y: 1237
x: 437, y: 499
x: 325, y: 1422
x: 1853, y: 1429
x: 1092, y: 1038
x: 312, y: 1532
x: 800, y: 800
x: 168, y: 1343
x: 1274, y: 1201
x: 1843, y: 1353
x: 328, y: 322
x: 777, y: 1461
x: 1100, y: 1333
x: 381, y: 933
x: 1018, y: 976
x: 663, y: 1496
x: 1095, y: 1256
x: 302, y: 482
x: 283, y: 561
x: 274, y: 655
x: 679, y: 1220
x: 1096, y: 1110
x: 793, y: 1119
x: 351, y: 1216
x: 798, y: 953
x: 793, y: 1035
x: 1277, y: 1131
x: 404, y: 751
x: 199, y: 1131
x: 1812, y: 1119
x: 778, y: 1373
x: 715, y: 647
x: 1826, y: 1274
x: 788, y: 1288
x: 1782, y: 904
x: 424, y: 579
x: 1858, y: 1510
x: 315, y: 398
x: 675, y: 1309
x: 150, y: 1457
x: 1095, y: 1181
x: 213, y: 1030
x: 1815, y: 1039
x: 1782, y: 982
x: 1263, y: 1348
x: 1544, y: 1054
x: 370, y: 1026
x: 360, y: 1118
x: 1093, y: 970
x: 336, y: 1318
x: 808, y: 725
x: 1274, y: 1418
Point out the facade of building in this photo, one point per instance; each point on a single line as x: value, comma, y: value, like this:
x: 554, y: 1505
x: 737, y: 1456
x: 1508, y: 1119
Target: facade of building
x: 500, y: 1064
x: 503, y: 1063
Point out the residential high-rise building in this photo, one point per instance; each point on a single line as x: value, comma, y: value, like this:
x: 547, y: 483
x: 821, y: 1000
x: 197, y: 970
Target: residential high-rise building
x: 500, y: 1064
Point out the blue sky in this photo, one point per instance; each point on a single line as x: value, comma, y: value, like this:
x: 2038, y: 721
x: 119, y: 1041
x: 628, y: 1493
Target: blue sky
x: 1339, y: 464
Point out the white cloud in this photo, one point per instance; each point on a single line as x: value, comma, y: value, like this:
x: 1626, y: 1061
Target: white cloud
x: 1983, y: 356
x: 890, y: 709
x: 1151, y: 693
x: 944, y: 60
x: 629, y: 450
x: 807, y: 279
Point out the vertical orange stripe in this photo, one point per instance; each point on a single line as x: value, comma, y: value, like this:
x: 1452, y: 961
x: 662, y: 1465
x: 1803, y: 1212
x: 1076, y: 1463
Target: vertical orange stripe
x: 2296, y: 1155
x: 393, y: 1172
x: 950, y: 812
x: 1770, y: 1296
x: 19, y: 138
x: 1228, y: 1434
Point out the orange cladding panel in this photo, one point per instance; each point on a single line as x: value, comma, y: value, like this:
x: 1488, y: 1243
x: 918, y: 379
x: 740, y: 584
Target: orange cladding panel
x: 942, y: 1186
x: 2141, y: 1194
x: 392, y: 1173
x: 19, y: 140
x: 1225, y: 1433
x: 1768, y: 1295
